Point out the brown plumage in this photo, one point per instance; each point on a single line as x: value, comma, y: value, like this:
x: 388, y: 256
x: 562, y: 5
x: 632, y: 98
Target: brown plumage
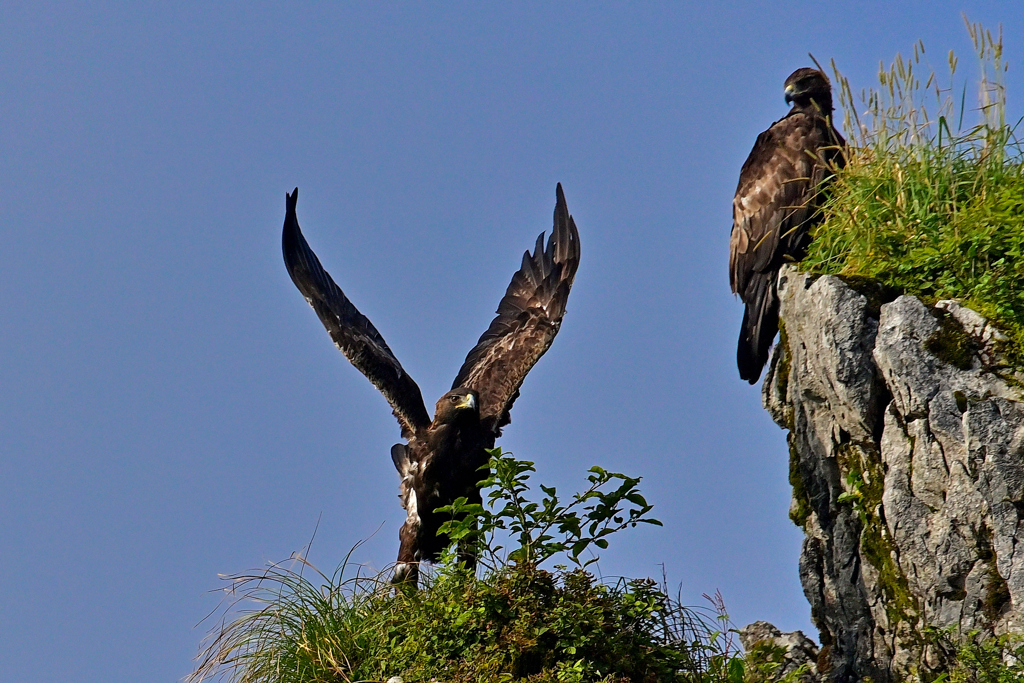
x: 442, y: 456
x: 778, y: 200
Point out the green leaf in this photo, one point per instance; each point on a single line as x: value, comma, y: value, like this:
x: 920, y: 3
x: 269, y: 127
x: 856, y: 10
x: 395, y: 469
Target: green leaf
x: 636, y: 499
x: 735, y: 671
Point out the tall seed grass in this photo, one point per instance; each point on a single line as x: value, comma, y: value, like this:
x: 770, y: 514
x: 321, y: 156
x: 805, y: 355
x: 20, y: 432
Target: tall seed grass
x: 281, y: 624
x: 929, y: 203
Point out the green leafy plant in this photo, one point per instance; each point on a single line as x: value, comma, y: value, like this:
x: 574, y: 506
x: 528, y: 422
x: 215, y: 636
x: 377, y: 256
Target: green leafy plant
x: 853, y: 493
x: 930, y: 204
x: 547, y: 528
x: 974, y: 659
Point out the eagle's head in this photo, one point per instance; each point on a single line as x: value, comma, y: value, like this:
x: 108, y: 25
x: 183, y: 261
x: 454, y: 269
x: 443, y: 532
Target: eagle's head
x: 806, y: 85
x: 456, y: 405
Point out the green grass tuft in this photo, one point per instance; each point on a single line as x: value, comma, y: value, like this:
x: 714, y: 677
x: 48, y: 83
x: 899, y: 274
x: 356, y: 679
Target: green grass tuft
x: 925, y: 205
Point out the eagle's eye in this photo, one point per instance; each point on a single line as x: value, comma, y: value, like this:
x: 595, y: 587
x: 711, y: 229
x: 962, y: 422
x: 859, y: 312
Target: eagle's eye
x: 453, y: 399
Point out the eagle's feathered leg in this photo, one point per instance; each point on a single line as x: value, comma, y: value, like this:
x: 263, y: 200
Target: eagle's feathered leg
x: 407, y: 565
x: 407, y: 568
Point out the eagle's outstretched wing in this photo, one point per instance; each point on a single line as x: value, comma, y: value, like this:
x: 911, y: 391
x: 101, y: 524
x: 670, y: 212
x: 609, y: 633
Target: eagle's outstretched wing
x: 528, y: 319
x: 775, y: 205
x: 351, y: 331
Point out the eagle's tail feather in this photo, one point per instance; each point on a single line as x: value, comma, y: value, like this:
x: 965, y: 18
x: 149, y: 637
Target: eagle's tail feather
x: 760, y: 324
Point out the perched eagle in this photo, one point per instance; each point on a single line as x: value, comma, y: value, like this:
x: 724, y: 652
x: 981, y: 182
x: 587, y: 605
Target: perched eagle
x: 777, y: 201
x: 441, y: 460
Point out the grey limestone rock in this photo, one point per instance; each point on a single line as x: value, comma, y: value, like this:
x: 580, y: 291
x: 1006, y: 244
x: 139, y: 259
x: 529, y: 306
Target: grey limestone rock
x: 784, y: 652
x: 906, y: 432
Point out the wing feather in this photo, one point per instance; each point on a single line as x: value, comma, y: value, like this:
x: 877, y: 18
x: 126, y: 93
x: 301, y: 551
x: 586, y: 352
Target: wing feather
x: 528, y: 318
x: 351, y: 331
x: 769, y: 202
x: 777, y: 195
x: 776, y: 203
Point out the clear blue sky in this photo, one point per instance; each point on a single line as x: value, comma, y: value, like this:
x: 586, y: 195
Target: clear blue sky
x: 172, y: 409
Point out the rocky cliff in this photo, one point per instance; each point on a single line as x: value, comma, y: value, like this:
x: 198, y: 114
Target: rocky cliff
x: 906, y: 435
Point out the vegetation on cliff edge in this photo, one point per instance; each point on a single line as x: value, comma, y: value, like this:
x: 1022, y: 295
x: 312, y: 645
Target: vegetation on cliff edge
x: 930, y: 205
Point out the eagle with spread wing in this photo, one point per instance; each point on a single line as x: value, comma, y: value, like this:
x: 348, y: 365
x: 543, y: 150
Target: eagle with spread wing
x: 778, y: 200
x: 442, y: 456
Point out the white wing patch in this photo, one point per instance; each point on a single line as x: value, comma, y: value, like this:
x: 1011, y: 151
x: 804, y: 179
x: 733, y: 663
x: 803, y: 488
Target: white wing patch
x: 412, y: 515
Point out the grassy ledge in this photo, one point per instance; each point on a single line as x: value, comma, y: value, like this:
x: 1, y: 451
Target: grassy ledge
x: 510, y: 620
x: 927, y: 204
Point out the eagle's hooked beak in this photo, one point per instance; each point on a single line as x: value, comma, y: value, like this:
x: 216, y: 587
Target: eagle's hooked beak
x: 469, y: 402
x: 790, y: 92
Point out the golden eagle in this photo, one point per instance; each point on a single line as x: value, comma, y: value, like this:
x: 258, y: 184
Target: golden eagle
x: 778, y: 200
x: 441, y: 460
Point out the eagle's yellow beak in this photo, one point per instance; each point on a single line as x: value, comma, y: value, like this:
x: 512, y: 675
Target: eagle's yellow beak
x: 468, y: 402
x: 790, y: 91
